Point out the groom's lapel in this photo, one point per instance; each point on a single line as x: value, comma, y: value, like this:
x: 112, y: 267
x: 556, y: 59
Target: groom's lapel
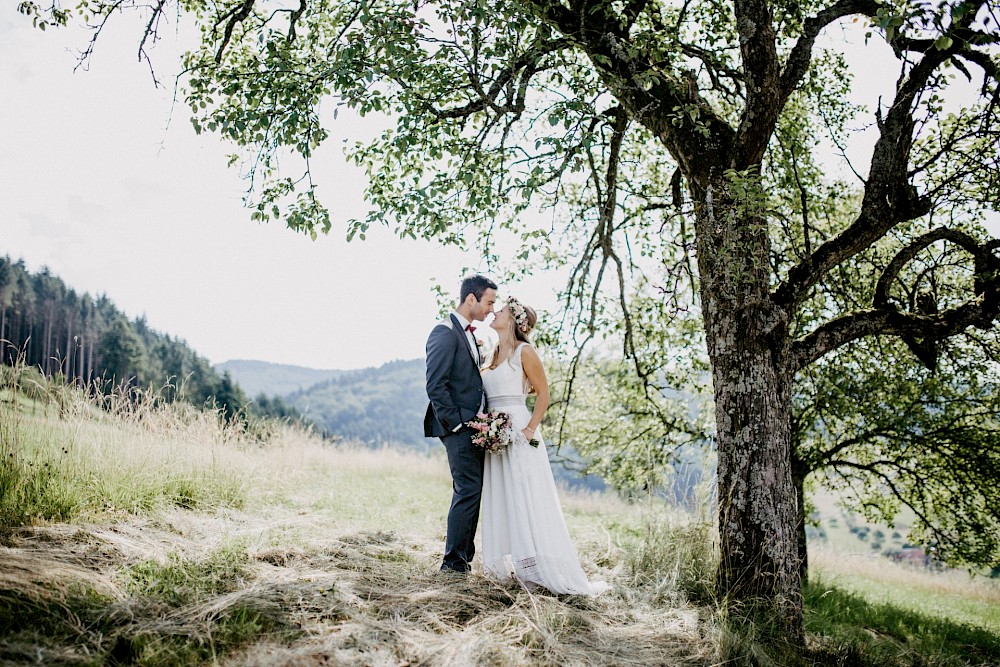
x: 457, y: 328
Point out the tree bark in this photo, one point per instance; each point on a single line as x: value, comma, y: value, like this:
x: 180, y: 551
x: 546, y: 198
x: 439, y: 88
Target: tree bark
x: 748, y: 345
x: 800, y: 527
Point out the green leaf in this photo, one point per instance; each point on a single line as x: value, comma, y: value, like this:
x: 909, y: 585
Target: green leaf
x: 943, y: 42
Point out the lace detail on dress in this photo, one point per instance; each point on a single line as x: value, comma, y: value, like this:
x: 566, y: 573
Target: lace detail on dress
x: 527, y: 570
x: 506, y: 400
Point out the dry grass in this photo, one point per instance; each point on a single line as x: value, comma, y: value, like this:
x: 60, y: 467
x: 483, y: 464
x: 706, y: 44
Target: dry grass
x: 350, y: 598
x: 285, y: 550
x: 946, y: 582
x: 75, y: 460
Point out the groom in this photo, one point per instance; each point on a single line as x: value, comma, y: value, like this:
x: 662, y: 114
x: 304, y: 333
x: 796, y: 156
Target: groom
x: 455, y: 390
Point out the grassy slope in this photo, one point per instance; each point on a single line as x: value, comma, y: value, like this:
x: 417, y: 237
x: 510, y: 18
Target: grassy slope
x: 160, y: 537
x: 846, y: 560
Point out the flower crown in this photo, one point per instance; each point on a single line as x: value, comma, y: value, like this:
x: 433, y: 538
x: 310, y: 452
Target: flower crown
x: 520, y: 314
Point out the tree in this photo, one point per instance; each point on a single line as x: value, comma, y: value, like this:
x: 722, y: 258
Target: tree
x: 654, y: 132
x: 229, y: 398
x: 881, y: 431
x: 121, y: 352
x: 891, y: 434
x: 5, y: 301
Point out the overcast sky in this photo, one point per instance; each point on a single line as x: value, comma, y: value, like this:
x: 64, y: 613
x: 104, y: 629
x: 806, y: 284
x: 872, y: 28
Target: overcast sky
x: 95, y: 185
x: 101, y: 185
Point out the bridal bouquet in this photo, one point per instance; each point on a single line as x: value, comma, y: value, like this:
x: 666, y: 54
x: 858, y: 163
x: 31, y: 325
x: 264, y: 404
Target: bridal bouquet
x: 493, y: 431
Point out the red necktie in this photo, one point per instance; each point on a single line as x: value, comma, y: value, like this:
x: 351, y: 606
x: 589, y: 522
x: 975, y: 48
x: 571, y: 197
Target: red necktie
x: 470, y: 328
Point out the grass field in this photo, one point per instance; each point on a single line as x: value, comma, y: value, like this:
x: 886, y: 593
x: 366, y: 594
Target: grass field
x: 845, y: 559
x: 159, y: 535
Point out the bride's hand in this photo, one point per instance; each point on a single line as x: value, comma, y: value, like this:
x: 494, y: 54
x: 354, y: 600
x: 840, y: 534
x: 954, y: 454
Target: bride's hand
x: 529, y: 435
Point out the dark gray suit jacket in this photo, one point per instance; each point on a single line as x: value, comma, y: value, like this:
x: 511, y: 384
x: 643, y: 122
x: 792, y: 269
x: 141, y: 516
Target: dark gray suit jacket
x: 454, y: 386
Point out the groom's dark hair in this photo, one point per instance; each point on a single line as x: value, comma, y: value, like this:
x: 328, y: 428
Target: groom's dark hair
x: 475, y: 285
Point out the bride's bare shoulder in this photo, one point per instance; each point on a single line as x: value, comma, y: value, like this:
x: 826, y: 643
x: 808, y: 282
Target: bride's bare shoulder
x: 528, y: 350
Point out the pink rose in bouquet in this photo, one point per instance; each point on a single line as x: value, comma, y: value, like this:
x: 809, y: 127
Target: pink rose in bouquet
x: 493, y: 431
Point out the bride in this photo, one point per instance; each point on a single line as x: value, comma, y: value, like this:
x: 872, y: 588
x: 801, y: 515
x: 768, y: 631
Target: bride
x: 524, y: 534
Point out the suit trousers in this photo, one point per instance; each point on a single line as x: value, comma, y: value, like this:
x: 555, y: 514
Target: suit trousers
x: 466, y: 463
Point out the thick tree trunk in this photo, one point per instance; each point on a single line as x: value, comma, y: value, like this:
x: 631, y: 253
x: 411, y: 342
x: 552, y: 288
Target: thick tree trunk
x: 800, y: 526
x: 747, y: 339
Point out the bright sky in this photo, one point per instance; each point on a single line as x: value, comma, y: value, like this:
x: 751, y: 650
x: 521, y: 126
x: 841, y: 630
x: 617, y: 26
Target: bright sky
x: 97, y: 187
x: 101, y: 185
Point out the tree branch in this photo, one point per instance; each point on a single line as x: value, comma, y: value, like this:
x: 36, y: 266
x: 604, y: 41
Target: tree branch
x: 765, y: 103
x: 889, y: 197
x: 902, y: 497
x: 293, y: 18
x: 235, y: 16
x: 885, y: 318
x: 976, y: 312
x: 151, y: 32
x: 527, y: 63
x: 713, y: 68
x: 652, y: 96
x: 904, y: 256
x: 798, y: 60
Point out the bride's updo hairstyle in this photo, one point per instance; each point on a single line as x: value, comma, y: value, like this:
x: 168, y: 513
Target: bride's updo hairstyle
x: 524, y: 317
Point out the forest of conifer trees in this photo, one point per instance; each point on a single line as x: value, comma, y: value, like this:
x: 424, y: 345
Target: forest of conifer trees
x: 89, y: 342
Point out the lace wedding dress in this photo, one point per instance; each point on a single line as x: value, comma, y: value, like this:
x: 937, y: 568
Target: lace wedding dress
x: 524, y: 534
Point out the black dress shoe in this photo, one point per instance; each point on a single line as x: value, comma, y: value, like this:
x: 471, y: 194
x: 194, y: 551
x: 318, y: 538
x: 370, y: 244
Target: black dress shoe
x: 447, y: 569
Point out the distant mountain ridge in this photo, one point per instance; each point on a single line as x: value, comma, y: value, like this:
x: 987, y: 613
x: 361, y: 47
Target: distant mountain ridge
x: 274, y: 380
x: 377, y: 405
x: 383, y: 405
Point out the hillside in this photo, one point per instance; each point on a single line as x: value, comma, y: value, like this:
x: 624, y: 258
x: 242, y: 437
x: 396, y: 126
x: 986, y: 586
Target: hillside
x: 376, y: 406
x: 273, y: 380
x: 386, y: 406
x: 46, y: 324
x: 159, y: 536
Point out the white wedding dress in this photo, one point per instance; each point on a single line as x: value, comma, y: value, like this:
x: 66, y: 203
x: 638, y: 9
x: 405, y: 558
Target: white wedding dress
x: 524, y: 534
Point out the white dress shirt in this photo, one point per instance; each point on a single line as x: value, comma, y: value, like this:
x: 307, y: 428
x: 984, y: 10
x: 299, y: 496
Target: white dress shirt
x: 469, y: 338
